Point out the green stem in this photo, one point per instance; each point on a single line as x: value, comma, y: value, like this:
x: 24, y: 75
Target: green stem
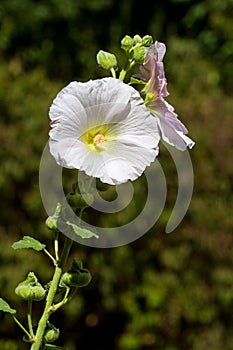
x: 113, y: 72
x: 50, y: 255
x: 29, y: 316
x: 56, y: 248
x: 22, y: 327
x: 51, y: 294
x: 62, y: 302
x: 126, y: 70
x: 122, y: 74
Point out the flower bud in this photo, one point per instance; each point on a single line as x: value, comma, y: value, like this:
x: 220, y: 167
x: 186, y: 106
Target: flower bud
x: 127, y: 43
x: 30, y: 289
x: 137, y: 39
x: 139, y: 54
x: 80, y: 278
x: 52, y: 221
x: 106, y: 60
x: 77, y: 200
x: 51, y: 333
x: 76, y: 277
x: 147, y: 40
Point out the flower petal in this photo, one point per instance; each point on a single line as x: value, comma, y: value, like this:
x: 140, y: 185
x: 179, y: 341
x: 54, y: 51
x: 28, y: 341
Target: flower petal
x: 130, y: 133
x: 174, y: 137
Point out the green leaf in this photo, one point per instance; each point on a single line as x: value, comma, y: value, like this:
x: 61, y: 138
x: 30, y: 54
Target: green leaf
x: 6, y: 307
x: 28, y: 242
x: 82, y: 232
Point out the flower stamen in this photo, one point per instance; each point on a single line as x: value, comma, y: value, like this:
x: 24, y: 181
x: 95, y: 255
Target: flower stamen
x: 98, y: 139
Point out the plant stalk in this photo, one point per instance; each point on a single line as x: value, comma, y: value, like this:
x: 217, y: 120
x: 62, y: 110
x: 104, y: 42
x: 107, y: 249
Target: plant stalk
x: 51, y: 294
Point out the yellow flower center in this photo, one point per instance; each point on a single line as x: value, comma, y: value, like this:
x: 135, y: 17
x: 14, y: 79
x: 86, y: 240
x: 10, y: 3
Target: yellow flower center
x: 95, y: 137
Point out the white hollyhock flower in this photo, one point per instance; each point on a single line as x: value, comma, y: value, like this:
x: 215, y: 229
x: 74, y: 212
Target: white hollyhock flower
x: 103, y: 128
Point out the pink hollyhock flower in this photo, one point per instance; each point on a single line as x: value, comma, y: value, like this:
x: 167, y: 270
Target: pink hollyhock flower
x: 172, y: 130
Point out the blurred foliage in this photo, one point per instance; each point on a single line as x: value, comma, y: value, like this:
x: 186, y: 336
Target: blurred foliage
x: 172, y: 292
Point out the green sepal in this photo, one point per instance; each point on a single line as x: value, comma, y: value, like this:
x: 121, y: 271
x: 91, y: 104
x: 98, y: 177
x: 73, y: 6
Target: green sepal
x: 28, y: 242
x: 82, y: 232
x: 30, y: 289
x: 137, y: 81
x: 5, y: 307
x: 77, y: 265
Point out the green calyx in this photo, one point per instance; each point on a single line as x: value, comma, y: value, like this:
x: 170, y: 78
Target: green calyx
x: 77, y: 276
x: 30, y: 289
x: 51, y: 333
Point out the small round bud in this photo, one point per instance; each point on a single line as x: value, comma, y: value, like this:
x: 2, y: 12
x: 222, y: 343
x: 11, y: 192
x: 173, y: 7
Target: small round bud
x: 137, y: 39
x: 147, y: 40
x: 30, y: 289
x: 127, y: 43
x: 51, y: 333
x: 80, y: 278
x: 106, y: 60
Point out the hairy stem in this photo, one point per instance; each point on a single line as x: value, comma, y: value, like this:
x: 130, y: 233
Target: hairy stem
x: 50, y: 297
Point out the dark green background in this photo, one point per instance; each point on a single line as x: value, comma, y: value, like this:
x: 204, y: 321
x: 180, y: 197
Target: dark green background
x: 170, y: 292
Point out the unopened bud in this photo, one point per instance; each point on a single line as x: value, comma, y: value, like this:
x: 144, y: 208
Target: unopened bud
x: 139, y: 54
x: 106, y: 60
x: 147, y: 40
x: 80, y: 278
x: 127, y: 43
x: 51, y: 333
x: 30, y: 289
x: 137, y: 39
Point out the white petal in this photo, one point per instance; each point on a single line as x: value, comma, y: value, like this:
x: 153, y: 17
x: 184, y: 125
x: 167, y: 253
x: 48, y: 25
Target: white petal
x: 69, y: 153
x: 133, y: 133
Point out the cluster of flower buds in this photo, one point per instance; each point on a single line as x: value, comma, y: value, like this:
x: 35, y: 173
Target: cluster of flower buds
x: 137, y: 46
